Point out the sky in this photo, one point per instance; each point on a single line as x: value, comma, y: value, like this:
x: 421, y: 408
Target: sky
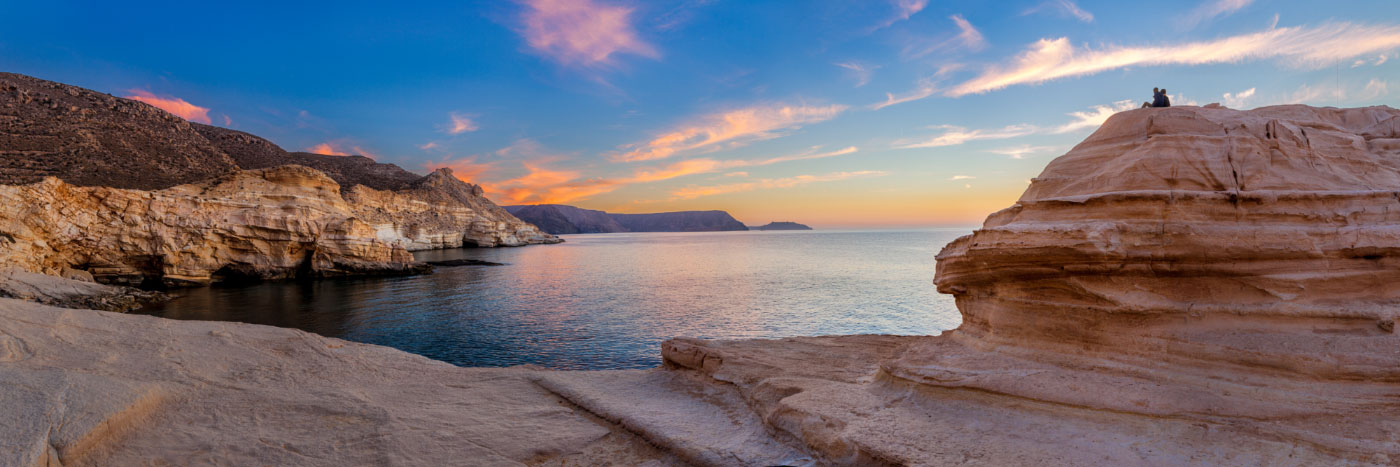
x: 856, y: 114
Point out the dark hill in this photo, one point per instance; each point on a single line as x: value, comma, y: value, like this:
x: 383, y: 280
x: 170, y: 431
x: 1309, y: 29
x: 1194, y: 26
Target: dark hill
x: 781, y: 226
x: 89, y: 138
x: 561, y: 219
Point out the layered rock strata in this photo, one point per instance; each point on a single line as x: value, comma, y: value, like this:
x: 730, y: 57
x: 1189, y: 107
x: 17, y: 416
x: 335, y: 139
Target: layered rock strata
x: 263, y: 224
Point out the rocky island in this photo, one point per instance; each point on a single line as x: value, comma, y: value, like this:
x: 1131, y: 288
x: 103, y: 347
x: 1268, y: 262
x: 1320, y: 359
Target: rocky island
x: 781, y: 226
x: 1188, y: 285
x: 560, y: 219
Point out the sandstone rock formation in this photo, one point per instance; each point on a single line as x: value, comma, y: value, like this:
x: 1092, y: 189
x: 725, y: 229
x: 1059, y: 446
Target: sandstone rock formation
x: 263, y: 224
x: 90, y: 139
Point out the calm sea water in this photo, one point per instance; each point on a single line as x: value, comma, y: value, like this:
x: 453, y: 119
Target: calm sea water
x: 607, y: 301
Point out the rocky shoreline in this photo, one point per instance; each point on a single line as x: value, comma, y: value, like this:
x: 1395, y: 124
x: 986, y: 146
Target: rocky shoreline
x: 1188, y: 285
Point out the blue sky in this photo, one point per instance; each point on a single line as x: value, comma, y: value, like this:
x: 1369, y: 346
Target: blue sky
x: 862, y: 113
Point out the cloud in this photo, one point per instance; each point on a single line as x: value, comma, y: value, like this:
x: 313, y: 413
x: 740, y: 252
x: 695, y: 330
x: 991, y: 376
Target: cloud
x: 228, y: 121
x: 955, y: 135
x: 903, y: 10
x: 735, y: 126
x: 582, y: 32
x: 1064, y: 8
x: 459, y: 124
x: 177, y: 106
x: 327, y: 149
x: 961, y: 177
x: 1051, y: 59
x: 1236, y: 100
x: 1209, y: 10
x: 737, y: 174
x: 769, y: 183
x: 338, y: 149
x: 428, y: 145
x: 861, y: 72
x: 465, y: 169
x: 1020, y: 152
x: 1092, y: 118
x: 1323, y: 92
x: 1375, y: 88
x: 925, y: 89
x: 699, y: 166
x: 968, y: 38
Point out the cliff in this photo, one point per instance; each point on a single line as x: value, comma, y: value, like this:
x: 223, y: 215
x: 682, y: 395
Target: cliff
x: 220, y: 203
x: 781, y: 226
x: 561, y: 219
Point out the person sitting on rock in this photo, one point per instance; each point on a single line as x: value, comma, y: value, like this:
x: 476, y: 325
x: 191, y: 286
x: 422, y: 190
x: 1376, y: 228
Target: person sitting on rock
x: 1156, y: 97
x: 1164, y: 101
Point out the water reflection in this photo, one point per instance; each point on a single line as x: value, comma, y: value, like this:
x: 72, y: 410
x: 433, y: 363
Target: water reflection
x: 607, y: 301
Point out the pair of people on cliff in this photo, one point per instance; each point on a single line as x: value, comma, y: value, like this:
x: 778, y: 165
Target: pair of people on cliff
x: 1159, y: 99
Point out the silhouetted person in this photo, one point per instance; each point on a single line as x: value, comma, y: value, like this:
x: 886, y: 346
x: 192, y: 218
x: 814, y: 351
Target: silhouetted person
x: 1156, y: 99
x: 1166, y: 101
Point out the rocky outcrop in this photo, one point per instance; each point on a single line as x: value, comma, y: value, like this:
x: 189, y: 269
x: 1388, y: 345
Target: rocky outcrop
x: 89, y: 139
x: 440, y: 211
x: 263, y: 224
x: 560, y: 219
x: 781, y: 225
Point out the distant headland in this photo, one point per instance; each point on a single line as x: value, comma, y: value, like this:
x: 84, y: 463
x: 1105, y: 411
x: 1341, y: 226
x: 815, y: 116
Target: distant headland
x: 561, y: 219
x: 781, y: 225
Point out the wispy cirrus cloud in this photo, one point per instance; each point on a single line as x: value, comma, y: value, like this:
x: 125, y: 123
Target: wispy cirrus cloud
x: 861, y: 72
x: 1210, y: 10
x: 903, y: 9
x: 737, y: 127
x: 177, y: 106
x: 961, y: 177
x: 1064, y: 8
x: 953, y: 135
x: 1051, y: 59
x: 968, y: 39
x: 692, y: 192
x: 458, y: 124
x: 582, y: 32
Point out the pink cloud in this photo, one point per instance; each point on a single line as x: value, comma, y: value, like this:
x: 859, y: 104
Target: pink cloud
x: 739, y: 125
x: 582, y: 32
x: 177, y: 106
x: 460, y: 124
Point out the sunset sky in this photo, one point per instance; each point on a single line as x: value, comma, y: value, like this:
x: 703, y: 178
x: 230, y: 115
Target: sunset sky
x: 836, y: 114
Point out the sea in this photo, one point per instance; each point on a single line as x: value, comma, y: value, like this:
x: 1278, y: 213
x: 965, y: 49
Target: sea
x: 607, y: 301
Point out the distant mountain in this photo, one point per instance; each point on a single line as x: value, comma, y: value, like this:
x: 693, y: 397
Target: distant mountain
x: 781, y: 226
x: 561, y: 219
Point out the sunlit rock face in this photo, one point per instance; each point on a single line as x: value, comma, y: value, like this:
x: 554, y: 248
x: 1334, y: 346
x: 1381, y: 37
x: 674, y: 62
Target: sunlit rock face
x: 1240, y: 267
x: 440, y: 211
x: 260, y: 224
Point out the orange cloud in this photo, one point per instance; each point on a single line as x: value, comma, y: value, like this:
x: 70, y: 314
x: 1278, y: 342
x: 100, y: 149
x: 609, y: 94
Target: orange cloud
x: 177, y: 106
x: 337, y: 149
x: 327, y: 149
x: 769, y: 183
x: 581, y: 32
x: 466, y: 170
x: 739, y: 126
x: 544, y: 186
